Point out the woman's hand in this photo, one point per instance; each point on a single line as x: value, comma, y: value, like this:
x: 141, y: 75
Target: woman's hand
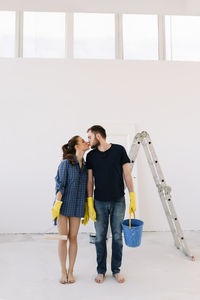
x: 55, y: 211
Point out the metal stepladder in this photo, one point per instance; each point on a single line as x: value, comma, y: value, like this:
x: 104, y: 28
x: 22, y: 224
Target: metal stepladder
x: 164, y: 191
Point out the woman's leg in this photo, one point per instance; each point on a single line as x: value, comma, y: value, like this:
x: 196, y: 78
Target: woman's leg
x: 74, y: 224
x: 62, y: 247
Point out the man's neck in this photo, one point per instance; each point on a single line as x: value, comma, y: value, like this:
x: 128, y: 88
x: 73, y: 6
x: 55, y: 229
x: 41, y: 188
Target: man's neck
x: 104, y: 146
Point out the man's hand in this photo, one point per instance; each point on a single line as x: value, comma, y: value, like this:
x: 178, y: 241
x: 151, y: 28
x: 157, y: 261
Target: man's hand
x: 92, y: 212
x: 86, y: 215
x: 132, y: 206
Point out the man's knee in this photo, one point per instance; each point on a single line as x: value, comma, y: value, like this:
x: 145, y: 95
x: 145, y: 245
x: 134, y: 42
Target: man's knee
x: 100, y: 236
x: 117, y: 236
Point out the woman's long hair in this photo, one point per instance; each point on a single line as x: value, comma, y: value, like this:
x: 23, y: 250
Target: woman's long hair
x: 69, y: 149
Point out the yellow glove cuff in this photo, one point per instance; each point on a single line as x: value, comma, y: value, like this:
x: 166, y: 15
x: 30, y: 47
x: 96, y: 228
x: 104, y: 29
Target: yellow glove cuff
x: 132, y: 195
x: 90, y: 200
x: 57, y: 205
x: 132, y: 207
x: 92, y: 212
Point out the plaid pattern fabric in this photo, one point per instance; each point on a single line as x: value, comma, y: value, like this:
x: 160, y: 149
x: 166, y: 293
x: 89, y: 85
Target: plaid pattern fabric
x: 71, y: 181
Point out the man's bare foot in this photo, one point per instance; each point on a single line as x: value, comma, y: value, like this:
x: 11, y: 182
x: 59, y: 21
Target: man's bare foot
x: 63, y: 278
x: 99, y: 278
x: 119, y: 278
x: 71, y: 277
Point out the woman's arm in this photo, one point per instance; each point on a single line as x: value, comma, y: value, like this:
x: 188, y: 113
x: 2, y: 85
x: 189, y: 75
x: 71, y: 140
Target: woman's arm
x: 61, y: 178
x: 58, y: 196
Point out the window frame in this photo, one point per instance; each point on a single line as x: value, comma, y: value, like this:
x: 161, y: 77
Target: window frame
x: 69, y: 37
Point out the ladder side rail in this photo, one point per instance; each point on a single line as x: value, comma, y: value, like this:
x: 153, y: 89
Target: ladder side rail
x: 164, y: 186
x: 151, y: 164
x: 163, y: 190
x: 173, y: 214
x: 160, y: 190
x: 155, y: 159
x: 178, y: 227
x: 133, y: 154
x: 134, y: 150
x: 135, y: 147
x: 157, y: 181
x: 170, y: 221
x: 168, y: 198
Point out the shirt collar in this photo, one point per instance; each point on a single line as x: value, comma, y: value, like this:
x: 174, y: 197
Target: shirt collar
x: 76, y: 160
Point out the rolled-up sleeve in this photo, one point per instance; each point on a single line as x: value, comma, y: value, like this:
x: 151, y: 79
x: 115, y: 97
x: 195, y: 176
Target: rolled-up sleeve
x: 61, y: 177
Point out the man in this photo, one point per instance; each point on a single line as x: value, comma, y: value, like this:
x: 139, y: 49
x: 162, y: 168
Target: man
x: 107, y: 164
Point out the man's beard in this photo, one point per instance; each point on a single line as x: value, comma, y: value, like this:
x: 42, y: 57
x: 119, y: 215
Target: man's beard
x: 96, y: 144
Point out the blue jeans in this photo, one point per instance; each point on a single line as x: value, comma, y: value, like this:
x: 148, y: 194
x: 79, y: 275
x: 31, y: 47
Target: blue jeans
x: 115, y: 210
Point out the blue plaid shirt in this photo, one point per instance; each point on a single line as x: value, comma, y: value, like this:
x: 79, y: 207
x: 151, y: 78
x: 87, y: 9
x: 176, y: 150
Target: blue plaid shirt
x: 71, y: 181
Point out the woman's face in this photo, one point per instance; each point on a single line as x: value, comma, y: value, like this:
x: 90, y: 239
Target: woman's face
x: 82, y: 144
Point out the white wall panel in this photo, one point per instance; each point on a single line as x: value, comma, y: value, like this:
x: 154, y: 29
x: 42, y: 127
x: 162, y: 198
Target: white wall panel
x: 45, y: 102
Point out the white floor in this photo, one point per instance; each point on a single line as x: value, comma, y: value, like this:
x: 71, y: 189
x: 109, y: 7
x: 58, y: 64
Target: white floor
x: 29, y: 269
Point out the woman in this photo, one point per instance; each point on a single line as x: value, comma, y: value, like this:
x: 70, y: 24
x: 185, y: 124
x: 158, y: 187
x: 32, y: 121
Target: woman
x: 70, y: 205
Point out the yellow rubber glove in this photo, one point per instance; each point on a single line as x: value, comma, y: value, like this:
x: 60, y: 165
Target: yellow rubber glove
x: 55, y: 211
x: 132, y: 206
x: 92, y: 212
x: 86, y: 215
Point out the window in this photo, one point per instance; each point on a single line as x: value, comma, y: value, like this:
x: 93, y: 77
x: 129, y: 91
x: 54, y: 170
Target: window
x: 182, y: 38
x: 44, y: 34
x: 94, y: 35
x: 7, y: 33
x: 140, y: 37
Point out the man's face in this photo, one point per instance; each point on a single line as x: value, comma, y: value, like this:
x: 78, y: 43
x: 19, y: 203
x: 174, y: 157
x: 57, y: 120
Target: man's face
x: 92, y: 140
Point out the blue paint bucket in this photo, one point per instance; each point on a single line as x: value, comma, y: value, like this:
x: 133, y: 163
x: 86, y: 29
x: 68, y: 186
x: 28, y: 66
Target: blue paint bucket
x: 133, y: 235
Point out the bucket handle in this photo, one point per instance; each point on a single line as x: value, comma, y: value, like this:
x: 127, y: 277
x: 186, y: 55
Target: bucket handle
x: 130, y: 219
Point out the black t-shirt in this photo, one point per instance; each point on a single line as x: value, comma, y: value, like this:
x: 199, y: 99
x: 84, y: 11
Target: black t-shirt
x: 108, y: 172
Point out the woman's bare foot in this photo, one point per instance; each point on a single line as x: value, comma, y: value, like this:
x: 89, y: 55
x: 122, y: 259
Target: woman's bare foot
x: 119, y: 278
x: 99, y: 278
x: 71, y: 277
x: 63, y: 278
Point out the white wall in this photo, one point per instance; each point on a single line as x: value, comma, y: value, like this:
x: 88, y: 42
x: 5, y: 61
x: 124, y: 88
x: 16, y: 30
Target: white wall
x: 173, y: 7
x: 44, y: 102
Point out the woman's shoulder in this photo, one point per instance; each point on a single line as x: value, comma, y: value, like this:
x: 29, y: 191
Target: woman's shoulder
x: 64, y: 163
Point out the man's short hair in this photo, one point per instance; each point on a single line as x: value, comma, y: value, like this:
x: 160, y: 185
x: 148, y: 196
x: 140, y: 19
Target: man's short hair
x: 98, y: 129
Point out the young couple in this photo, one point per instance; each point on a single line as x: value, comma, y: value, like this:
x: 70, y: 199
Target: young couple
x: 106, y: 168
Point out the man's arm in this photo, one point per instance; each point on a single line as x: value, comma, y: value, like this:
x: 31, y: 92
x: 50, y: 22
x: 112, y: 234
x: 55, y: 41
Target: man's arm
x: 129, y: 183
x: 90, y: 183
x: 92, y: 212
x: 128, y: 177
